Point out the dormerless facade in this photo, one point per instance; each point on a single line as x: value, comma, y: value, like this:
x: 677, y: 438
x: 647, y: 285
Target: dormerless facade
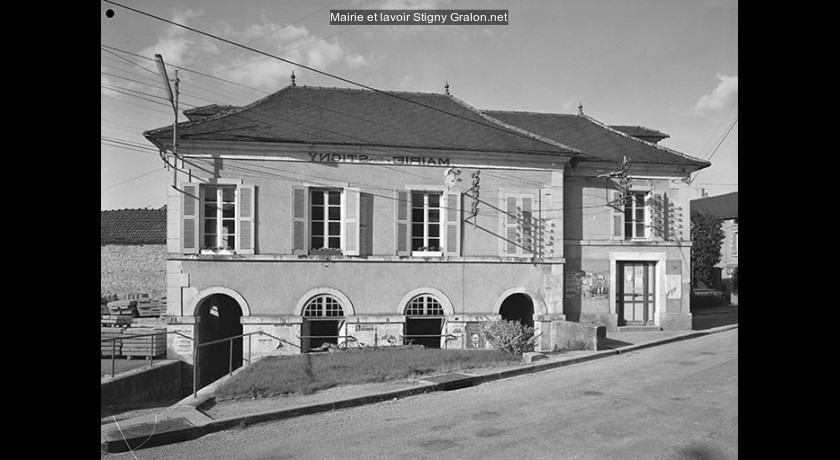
x: 354, y: 217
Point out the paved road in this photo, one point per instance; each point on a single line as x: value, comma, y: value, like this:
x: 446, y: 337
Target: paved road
x: 676, y: 401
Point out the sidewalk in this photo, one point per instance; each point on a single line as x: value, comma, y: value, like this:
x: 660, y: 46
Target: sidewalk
x: 192, y: 417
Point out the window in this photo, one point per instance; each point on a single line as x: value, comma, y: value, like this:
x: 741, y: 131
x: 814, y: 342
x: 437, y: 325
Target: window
x: 735, y: 241
x: 219, y: 229
x: 216, y: 218
x: 424, y: 305
x: 323, y: 306
x: 325, y: 219
x: 425, y: 221
x: 634, y: 216
x: 519, y: 225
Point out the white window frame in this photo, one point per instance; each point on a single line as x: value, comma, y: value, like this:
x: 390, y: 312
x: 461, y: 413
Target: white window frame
x: 645, y: 197
x: 426, y: 224
x: 735, y: 241
x: 342, y: 210
x: 219, y: 187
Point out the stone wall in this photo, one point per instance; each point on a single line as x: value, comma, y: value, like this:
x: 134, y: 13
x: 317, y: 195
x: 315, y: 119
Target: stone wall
x: 133, y: 269
x: 161, y: 381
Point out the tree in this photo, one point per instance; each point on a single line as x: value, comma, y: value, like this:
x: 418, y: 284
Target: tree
x: 706, y: 240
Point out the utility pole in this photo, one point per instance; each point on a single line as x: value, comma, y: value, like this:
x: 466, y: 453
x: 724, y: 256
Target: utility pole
x: 173, y: 99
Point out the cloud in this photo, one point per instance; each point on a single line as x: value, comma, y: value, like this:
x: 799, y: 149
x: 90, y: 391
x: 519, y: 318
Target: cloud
x: 176, y: 46
x: 721, y: 97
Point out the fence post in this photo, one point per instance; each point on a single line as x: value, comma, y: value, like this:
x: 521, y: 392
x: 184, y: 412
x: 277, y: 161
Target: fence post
x: 195, y: 367
x: 249, y: 350
x: 230, y: 355
x: 151, y: 351
x: 113, y: 355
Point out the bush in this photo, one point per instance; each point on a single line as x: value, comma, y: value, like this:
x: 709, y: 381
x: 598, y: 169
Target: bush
x: 508, y: 336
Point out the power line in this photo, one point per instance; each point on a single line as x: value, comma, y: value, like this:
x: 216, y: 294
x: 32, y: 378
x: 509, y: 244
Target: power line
x: 346, y: 80
x: 131, y: 179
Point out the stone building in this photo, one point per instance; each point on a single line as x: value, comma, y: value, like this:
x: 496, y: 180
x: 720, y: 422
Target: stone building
x: 365, y: 217
x: 133, y: 251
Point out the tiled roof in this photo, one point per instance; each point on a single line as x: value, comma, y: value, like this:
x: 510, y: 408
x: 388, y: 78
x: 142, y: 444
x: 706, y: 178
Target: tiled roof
x: 595, y: 139
x: 641, y: 131
x: 721, y: 206
x: 133, y: 226
x: 339, y: 116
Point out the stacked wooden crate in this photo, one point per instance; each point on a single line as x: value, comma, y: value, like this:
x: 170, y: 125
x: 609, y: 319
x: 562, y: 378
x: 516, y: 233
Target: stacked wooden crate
x: 151, y: 307
x: 123, y: 307
x: 143, y: 347
x: 110, y: 347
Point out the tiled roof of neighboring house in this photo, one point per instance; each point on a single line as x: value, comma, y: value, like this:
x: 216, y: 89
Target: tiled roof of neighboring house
x: 595, y: 139
x: 133, y: 226
x: 722, y: 206
x: 340, y: 116
x: 199, y: 113
x: 647, y: 134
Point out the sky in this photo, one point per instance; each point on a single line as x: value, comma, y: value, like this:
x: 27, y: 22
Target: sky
x: 670, y: 65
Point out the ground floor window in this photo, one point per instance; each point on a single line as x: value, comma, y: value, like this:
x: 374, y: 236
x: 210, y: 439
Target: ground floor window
x: 424, y: 321
x: 323, y: 317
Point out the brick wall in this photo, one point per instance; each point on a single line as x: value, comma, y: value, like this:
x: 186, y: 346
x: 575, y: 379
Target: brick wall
x: 133, y: 268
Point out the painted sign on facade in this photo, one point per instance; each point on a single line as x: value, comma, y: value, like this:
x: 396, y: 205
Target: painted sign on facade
x: 473, y: 338
x: 364, y: 158
x: 674, y: 286
x: 586, y: 285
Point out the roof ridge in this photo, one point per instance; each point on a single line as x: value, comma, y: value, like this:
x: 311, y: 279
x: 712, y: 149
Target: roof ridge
x: 529, y: 112
x: 517, y: 129
x: 660, y: 147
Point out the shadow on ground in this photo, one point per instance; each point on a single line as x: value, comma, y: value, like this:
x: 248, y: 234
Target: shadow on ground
x: 609, y: 344
x: 713, y: 317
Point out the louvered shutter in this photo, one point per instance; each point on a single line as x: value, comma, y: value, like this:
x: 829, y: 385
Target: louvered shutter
x: 190, y: 218
x: 511, y: 220
x: 617, y: 216
x: 299, y: 218
x: 453, y: 224
x: 246, y: 206
x: 402, y: 235
x: 365, y: 224
x: 525, y: 223
x: 657, y: 215
x: 351, y: 221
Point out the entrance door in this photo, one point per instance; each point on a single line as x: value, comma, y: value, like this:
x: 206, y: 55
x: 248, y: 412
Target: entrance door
x: 635, y: 293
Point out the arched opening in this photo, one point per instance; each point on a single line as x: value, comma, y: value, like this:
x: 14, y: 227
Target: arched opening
x: 323, y: 317
x: 219, y: 318
x: 518, y: 307
x: 423, y: 321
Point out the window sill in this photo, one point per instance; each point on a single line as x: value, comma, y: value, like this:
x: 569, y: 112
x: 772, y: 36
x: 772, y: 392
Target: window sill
x: 325, y: 252
x: 221, y: 252
x: 426, y: 253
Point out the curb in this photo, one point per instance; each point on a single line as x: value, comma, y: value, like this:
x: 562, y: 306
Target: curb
x: 201, y: 429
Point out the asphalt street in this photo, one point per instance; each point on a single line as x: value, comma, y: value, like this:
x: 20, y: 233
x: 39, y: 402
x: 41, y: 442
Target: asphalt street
x: 676, y: 401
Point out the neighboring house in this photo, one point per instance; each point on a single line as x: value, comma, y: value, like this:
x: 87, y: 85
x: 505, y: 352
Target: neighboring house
x: 337, y: 215
x: 133, y: 252
x: 725, y: 208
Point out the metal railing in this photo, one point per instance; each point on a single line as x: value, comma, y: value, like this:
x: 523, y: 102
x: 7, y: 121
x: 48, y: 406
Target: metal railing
x: 340, y: 345
x: 230, y: 354
x: 152, y: 347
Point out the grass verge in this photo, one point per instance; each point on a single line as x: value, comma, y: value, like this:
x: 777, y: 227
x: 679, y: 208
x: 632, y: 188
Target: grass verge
x: 307, y: 373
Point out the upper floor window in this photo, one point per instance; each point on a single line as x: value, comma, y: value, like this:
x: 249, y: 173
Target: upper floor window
x: 635, y: 216
x: 519, y: 224
x: 428, y: 222
x: 735, y: 241
x: 217, y: 218
x: 425, y: 221
x: 325, y: 219
x: 219, y: 228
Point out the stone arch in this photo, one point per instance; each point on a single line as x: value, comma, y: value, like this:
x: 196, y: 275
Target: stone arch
x: 346, y: 304
x: 540, y: 307
x: 442, y: 298
x: 196, y: 301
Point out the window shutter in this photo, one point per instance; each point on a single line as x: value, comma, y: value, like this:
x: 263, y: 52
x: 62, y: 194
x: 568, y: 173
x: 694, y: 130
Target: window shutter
x: 351, y: 221
x: 190, y: 217
x: 453, y: 224
x: 526, y: 224
x: 510, y: 226
x: 658, y: 215
x: 299, y: 214
x: 365, y: 224
x: 245, y: 205
x: 402, y: 243
x: 617, y: 216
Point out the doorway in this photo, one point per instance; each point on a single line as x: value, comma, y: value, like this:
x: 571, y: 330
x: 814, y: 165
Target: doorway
x: 635, y: 296
x: 323, y: 318
x: 424, y: 322
x: 219, y: 318
x: 518, y: 307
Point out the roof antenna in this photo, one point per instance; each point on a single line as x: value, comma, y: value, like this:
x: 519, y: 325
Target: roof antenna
x: 580, y: 108
x: 293, y: 78
x: 446, y: 88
